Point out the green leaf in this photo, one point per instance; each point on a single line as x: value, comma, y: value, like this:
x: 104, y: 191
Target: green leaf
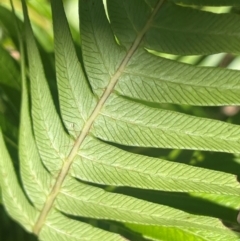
x: 134, y: 124
x: 69, y: 159
x: 180, y: 37
x: 35, y: 177
x: 74, y: 90
x: 156, y: 79
x: 100, y: 163
x: 83, y: 200
x: 13, y: 197
x: 186, y: 35
x: 52, y: 141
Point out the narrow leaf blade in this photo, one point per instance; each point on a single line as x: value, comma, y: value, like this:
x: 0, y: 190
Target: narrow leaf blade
x: 36, y: 179
x: 52, y: 142
x: 101, y: 163
x: 160, y: 80
x: 13, y: 197
x: 129, y: 123
x: 76, y: 99
x: 87, y: 201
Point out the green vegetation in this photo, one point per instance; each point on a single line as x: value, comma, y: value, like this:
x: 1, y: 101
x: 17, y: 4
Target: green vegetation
x: 127, y: 129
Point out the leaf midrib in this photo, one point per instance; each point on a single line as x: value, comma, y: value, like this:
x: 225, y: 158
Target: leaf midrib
x: 67, y: 164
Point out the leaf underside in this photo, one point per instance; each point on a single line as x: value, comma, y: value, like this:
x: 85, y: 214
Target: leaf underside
x: 67, y: 159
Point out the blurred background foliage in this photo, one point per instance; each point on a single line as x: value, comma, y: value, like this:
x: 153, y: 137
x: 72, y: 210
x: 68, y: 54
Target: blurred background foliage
x: 10, y: 96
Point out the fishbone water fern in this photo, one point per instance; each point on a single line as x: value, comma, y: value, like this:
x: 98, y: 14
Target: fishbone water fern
x: 75, y: 156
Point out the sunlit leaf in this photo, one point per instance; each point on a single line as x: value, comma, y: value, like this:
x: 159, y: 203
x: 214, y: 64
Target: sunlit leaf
x: 76, y: 164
